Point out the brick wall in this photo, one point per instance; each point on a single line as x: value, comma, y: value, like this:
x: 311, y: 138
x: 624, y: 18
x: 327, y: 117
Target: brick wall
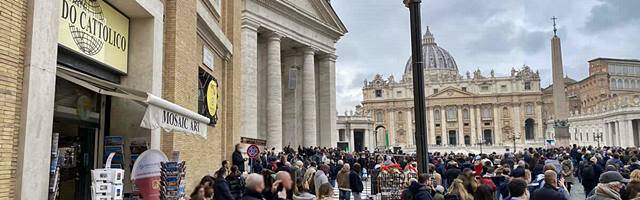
x: 13, y: 19
x: 183, y: 56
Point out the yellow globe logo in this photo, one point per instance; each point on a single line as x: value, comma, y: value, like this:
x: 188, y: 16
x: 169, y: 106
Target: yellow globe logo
x: 212, y: 97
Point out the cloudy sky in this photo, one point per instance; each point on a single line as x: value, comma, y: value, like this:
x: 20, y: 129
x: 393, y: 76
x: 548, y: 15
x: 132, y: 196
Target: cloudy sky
x: 484, y: 34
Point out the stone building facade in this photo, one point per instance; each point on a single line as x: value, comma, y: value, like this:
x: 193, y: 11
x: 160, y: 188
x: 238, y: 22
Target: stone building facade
x: 50, y: 88
x: 288, y: 72
x: 604, y: 107
x: 461, y: 110
x: 200, y: 46
x: 355, y: 130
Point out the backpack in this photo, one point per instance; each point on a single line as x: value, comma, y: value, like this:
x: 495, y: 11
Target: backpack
x: 587, y: 172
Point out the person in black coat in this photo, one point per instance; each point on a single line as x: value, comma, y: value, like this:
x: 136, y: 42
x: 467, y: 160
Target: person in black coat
x: 355, y: 181
x: 237, y: 159
x: 452, y: 172
x: 418, y: 189
x: 221, y: 186
x: 551, y: 190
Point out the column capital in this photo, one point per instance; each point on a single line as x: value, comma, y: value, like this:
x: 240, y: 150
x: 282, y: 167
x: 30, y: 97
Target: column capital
x: 329, y: 57
x: 307, y: 50
x: 250, y: 24
x: 274, y: 36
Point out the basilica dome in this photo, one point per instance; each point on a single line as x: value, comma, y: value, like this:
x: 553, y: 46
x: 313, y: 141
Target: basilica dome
x: 435, y: 58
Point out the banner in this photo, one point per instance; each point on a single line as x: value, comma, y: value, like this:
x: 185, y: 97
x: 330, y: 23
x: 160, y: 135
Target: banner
x: 95, y: 29
x: 169, y: 121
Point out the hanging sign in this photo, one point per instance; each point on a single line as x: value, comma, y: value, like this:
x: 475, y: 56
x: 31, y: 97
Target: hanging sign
x: 156, y: 117
x: 95, y: 29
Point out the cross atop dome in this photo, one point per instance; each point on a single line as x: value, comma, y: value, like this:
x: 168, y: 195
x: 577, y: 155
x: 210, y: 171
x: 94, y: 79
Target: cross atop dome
x: 428, y: 38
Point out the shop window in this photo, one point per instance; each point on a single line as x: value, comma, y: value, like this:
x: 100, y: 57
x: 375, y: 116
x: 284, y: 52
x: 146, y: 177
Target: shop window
x: 208, y: 96
x: 378, y: 93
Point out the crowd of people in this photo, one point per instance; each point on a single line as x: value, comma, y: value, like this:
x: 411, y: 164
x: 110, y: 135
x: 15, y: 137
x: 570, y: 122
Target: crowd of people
x: 532, y: 173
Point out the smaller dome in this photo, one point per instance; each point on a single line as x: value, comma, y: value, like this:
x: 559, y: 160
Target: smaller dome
x: 435, y: 57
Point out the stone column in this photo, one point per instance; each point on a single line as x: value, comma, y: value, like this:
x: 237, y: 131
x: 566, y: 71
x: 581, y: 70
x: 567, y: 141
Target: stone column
x: 352, y: 143
x: 38, y: 95
x: 309, y: 98
x: 249, y: 79
x: 392, y: 126
x: 460, y: 127
x: 443, y: 126
x: 409, y: 129
x: 431, y: 128
x: 274, y: 85
x: 497, y: 132
x: 478, y: 119
x: 539, y: 133
x: 472, y: 125
x: 327, y: 99
x: 518, y: 121
x: 618, y: 134
x: 606, y: 135
x: 629, y: 133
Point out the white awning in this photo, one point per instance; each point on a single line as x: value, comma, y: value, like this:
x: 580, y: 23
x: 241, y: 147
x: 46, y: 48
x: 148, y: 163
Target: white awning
x: 160, y: 113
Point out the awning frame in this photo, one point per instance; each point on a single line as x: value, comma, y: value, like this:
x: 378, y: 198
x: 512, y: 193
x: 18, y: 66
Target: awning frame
x: 112, y: 89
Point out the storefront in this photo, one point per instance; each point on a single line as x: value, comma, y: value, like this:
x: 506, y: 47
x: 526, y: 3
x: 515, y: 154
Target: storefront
x: 93, y: 82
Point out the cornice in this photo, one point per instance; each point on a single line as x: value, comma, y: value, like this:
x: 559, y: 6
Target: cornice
x: 299, y: 15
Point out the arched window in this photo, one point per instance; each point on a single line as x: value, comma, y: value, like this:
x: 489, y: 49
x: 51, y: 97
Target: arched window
x: 379, y: 116
x: 467, y: 140
x: 465, y: 114
x: 619, y: 84
x: 452, y: 114
x: 438, y: 140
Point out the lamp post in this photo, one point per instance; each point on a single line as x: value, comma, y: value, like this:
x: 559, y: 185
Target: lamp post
x: 598, y: 137
x: 418, y: 85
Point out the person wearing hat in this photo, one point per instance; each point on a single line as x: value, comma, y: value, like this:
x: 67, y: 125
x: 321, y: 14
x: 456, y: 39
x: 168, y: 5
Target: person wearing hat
x: 611, y: 183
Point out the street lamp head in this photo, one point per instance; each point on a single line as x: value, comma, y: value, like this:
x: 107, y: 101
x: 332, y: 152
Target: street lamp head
x: 407, y: 2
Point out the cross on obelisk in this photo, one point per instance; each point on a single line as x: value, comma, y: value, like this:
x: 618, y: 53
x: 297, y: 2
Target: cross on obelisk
x: 554, y: 18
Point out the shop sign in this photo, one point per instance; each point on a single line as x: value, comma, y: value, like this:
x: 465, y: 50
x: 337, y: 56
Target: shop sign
x: 156, y: 117
x: 95, y: 29
x: 207, y: 57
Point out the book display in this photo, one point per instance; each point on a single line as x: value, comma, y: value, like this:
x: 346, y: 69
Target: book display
x: 54, y: 168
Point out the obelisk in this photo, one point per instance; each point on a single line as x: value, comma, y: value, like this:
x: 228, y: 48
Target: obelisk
x: 560, y: 104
